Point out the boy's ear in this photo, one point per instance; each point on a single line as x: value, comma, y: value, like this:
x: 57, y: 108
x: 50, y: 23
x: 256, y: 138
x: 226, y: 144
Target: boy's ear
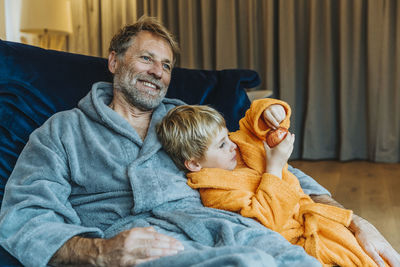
x: 192, y: 165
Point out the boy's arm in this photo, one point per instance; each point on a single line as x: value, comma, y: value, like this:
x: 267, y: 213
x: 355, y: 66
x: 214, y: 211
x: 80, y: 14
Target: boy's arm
x: 271, y: 210
x: 259, y: 121
x: 276, y: 158
x: 252, y: 123
x: 271, y: 200
x: 264, y: 115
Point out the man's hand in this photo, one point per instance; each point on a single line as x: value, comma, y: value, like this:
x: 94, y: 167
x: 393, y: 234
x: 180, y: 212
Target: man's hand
x: 374, y: 243
x: 274, y: 115
x: 277, y: 157
x: 369, y: 238
x: 128, y: 248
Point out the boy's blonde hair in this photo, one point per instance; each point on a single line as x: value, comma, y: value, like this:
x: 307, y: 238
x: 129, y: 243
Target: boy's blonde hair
x: 187, y: 131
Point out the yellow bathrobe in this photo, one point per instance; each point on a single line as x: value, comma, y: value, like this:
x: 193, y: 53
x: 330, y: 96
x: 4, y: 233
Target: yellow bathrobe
x: 279, y: 204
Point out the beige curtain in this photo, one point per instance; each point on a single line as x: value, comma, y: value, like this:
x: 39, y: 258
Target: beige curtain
x: 352, y: 105
x: 335, y: 62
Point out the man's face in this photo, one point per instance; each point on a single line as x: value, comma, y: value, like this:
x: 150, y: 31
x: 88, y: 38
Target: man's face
x: 221, y: 153
x: 143, y: 74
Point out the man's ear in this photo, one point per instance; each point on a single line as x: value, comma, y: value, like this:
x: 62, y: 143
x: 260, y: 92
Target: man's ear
x: 112, y: 61
x: 192, y: 165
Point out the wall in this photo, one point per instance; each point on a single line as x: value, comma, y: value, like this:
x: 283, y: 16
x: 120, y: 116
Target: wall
x: 12, y: 10
x: 2, y: 21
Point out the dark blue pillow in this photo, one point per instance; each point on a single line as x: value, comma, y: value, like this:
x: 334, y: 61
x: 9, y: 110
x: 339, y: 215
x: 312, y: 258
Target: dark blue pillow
x: 35, y: 83
x: 223, y: 90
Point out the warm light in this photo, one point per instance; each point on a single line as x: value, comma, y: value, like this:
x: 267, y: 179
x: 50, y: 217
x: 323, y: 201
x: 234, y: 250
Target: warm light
x: 51, y: 15
x: 50, y: 19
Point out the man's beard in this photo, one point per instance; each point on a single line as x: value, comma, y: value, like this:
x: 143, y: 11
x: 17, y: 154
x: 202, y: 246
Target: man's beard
x: 126, y: 82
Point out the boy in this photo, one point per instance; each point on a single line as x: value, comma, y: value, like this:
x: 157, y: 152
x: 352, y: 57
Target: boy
x: 241, y: 173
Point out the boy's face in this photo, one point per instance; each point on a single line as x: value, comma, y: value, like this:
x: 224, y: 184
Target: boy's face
x: 221, y: 153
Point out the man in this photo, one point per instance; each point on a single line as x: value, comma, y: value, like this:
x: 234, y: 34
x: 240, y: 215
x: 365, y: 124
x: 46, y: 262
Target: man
x: 94, y: 187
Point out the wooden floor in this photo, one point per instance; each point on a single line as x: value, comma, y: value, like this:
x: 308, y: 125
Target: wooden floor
x: 371, y: 190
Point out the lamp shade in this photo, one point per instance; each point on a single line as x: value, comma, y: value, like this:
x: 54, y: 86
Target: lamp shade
x: 53, y: 16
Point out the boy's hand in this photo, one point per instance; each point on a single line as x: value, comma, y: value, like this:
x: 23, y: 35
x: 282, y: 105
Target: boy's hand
x: 274, y: 115
x: 277, y: 157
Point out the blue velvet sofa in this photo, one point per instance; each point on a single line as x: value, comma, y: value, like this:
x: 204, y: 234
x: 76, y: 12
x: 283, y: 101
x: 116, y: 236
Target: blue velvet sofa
x: 35, y: 83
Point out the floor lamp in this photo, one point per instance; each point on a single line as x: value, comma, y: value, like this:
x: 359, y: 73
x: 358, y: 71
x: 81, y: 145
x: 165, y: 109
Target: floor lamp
x: 50, y: 20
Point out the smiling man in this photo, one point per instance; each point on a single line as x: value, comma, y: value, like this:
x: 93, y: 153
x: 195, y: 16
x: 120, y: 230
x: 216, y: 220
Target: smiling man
x: 141, y: 75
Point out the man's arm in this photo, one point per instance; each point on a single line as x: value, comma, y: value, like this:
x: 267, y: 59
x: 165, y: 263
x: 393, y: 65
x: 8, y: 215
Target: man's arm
x: 36, y: 211
x: 35, y: 207
x: 128, y: 248
x: 367, y: 236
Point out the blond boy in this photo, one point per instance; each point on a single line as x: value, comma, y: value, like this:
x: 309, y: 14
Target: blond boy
x: 241, y: 173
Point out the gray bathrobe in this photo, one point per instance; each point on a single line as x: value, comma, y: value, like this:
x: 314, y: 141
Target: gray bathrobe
x: 87, y: 172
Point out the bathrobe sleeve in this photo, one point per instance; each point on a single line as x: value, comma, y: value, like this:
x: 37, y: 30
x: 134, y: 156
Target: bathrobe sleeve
x: 253, y: 129
x: 268, y: 199
x: 36, y: 217
x: 248, y: 189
